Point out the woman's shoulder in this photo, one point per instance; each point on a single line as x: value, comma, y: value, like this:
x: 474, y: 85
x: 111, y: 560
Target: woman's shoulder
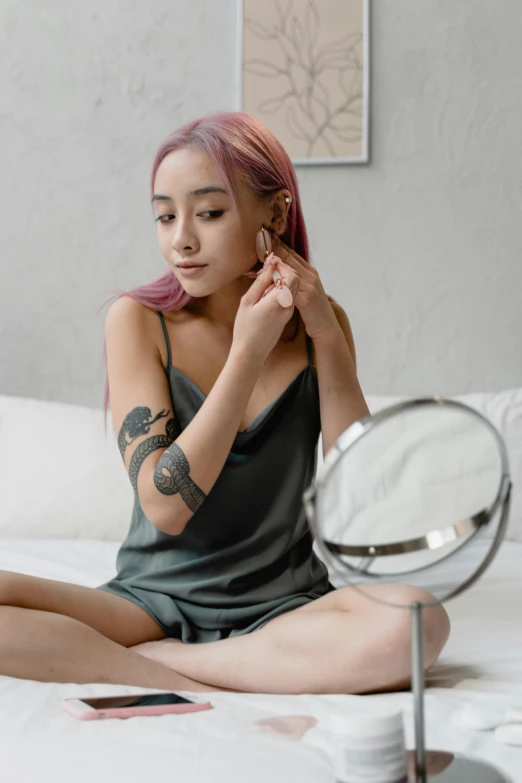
x: 127, y: 307
x: 125, y: 313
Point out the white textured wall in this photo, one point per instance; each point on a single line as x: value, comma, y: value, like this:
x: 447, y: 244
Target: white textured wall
x: 422, y: 247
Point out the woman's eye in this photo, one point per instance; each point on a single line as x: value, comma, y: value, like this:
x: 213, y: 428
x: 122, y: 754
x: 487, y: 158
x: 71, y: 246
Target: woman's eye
x: 214, y: 213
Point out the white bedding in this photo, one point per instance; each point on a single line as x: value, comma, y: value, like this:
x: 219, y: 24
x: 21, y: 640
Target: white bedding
x: 40, y: 742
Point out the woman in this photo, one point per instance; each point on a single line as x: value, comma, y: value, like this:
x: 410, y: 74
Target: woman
x: 218, y: 395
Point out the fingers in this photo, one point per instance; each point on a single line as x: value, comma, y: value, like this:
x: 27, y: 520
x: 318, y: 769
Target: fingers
x: 289, y: 254
x: 290, y: 262
x: 283, y: 295
x: 286, y: 270
x: 257, y: 288
x: 290, y: 277
x: 293, y: 260
x: 253, y: 274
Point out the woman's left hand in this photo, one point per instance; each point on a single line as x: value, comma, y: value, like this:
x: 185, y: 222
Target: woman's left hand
x: 311, y: 300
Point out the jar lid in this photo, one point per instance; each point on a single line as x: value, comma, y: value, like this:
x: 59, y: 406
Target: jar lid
x: 366, y: 722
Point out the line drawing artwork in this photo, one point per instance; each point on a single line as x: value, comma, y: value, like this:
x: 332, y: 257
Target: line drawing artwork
x: 313, y: 83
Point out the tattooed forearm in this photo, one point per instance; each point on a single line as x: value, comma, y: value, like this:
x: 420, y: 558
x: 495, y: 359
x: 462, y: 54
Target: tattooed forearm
x: 148, y: 446
x: 171, y: 475
x: 136, y: 423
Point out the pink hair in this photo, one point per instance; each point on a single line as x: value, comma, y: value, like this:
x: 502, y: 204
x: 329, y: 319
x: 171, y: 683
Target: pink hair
x: 243, y: 150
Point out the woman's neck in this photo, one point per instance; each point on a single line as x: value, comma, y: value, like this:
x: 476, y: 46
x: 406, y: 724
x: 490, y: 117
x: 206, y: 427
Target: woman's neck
x: 220, y: 308
x: 198, y: 309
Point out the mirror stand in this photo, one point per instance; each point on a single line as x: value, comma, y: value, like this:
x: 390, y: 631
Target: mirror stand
x: 417, y: 687
x: 461, y: 769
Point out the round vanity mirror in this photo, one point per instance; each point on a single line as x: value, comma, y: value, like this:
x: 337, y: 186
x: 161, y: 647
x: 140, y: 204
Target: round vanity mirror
x: 418, y: 494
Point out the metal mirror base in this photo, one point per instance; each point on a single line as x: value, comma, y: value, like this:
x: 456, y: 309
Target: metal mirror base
x: 465, y: 770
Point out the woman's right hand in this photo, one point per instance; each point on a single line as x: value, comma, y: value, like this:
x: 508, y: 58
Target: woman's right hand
x: 260, y: 320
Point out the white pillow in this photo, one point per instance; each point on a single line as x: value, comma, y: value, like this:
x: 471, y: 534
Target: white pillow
x: 60, y: 476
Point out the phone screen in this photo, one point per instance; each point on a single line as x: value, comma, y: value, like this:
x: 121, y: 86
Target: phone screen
x: 138, y: 700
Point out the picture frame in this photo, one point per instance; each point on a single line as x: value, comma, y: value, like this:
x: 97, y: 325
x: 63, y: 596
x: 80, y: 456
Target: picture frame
x: 309, y: 88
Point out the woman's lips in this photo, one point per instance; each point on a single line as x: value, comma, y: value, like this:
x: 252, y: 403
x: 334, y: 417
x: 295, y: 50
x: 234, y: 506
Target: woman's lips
x: 190, y: 271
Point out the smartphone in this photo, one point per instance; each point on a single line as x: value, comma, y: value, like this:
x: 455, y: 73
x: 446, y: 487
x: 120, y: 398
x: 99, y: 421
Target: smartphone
x: 129, y: 705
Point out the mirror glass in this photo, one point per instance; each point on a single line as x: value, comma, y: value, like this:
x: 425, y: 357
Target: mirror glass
x: 414, y: 496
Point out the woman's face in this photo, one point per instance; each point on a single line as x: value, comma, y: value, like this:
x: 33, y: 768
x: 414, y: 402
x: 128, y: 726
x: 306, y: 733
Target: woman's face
x: 203, y: 228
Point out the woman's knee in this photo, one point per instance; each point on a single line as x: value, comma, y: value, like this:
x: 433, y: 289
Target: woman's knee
x: 8, y: 587
x: 435, y: 621
x: 436, y: 631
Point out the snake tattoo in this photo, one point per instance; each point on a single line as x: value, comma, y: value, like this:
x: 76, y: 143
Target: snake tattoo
x: 171, y: 474
x: 137, y: 422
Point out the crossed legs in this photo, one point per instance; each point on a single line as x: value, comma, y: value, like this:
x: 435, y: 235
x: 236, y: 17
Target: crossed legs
x: 342, y: 642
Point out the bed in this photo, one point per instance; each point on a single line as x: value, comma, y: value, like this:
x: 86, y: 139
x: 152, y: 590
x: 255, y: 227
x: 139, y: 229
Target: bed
x: 74, y: 534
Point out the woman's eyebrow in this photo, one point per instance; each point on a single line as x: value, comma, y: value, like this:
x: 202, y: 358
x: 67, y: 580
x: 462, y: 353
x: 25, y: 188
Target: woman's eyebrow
x: 193, y: 193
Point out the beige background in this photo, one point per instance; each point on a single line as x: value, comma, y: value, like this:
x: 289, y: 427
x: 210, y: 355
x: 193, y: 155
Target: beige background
x: 302, y: 74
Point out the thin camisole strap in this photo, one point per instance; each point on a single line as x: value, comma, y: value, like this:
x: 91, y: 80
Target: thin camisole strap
x: 309, y: 350
x: 166, y: 336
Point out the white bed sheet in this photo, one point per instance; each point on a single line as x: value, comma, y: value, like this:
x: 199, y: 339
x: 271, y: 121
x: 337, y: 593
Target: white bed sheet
x: 40, y: 742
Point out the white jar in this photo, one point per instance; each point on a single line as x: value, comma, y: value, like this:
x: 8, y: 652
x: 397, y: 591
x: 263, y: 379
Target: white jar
x: 369, y: 747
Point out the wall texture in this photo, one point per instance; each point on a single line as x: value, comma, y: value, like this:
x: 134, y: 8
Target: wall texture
x: 422, y: 247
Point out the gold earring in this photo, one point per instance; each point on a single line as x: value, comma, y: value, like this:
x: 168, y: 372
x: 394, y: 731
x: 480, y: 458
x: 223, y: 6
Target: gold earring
x: 263, y: 243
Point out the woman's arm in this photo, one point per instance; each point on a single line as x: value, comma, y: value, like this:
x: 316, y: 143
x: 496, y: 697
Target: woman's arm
x: 171, y: 473
x: 340, y: 396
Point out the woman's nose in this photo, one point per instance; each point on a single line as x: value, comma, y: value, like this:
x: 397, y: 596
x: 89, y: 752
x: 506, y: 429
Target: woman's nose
x: 183, y: 236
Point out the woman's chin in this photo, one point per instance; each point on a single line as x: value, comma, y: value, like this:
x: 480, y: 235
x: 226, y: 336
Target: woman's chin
x: 202, y: 285
x: 194, y: 287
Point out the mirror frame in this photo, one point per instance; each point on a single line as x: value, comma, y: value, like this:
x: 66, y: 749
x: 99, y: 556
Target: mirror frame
x: 433, y: 539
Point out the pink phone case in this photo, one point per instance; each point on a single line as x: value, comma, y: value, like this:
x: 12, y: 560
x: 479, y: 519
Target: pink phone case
x: 78, y: 711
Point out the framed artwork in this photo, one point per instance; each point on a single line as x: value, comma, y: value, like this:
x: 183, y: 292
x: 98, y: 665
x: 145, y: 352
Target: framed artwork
x: 304, y: 72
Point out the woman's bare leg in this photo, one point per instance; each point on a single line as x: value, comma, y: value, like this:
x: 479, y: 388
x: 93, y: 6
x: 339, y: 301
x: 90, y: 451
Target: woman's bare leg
x: 50, y: 647
x: 61, y: 632
x: 342, y: 642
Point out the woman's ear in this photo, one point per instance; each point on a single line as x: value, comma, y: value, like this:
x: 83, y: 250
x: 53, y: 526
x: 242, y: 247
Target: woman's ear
x: 280, y: 208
